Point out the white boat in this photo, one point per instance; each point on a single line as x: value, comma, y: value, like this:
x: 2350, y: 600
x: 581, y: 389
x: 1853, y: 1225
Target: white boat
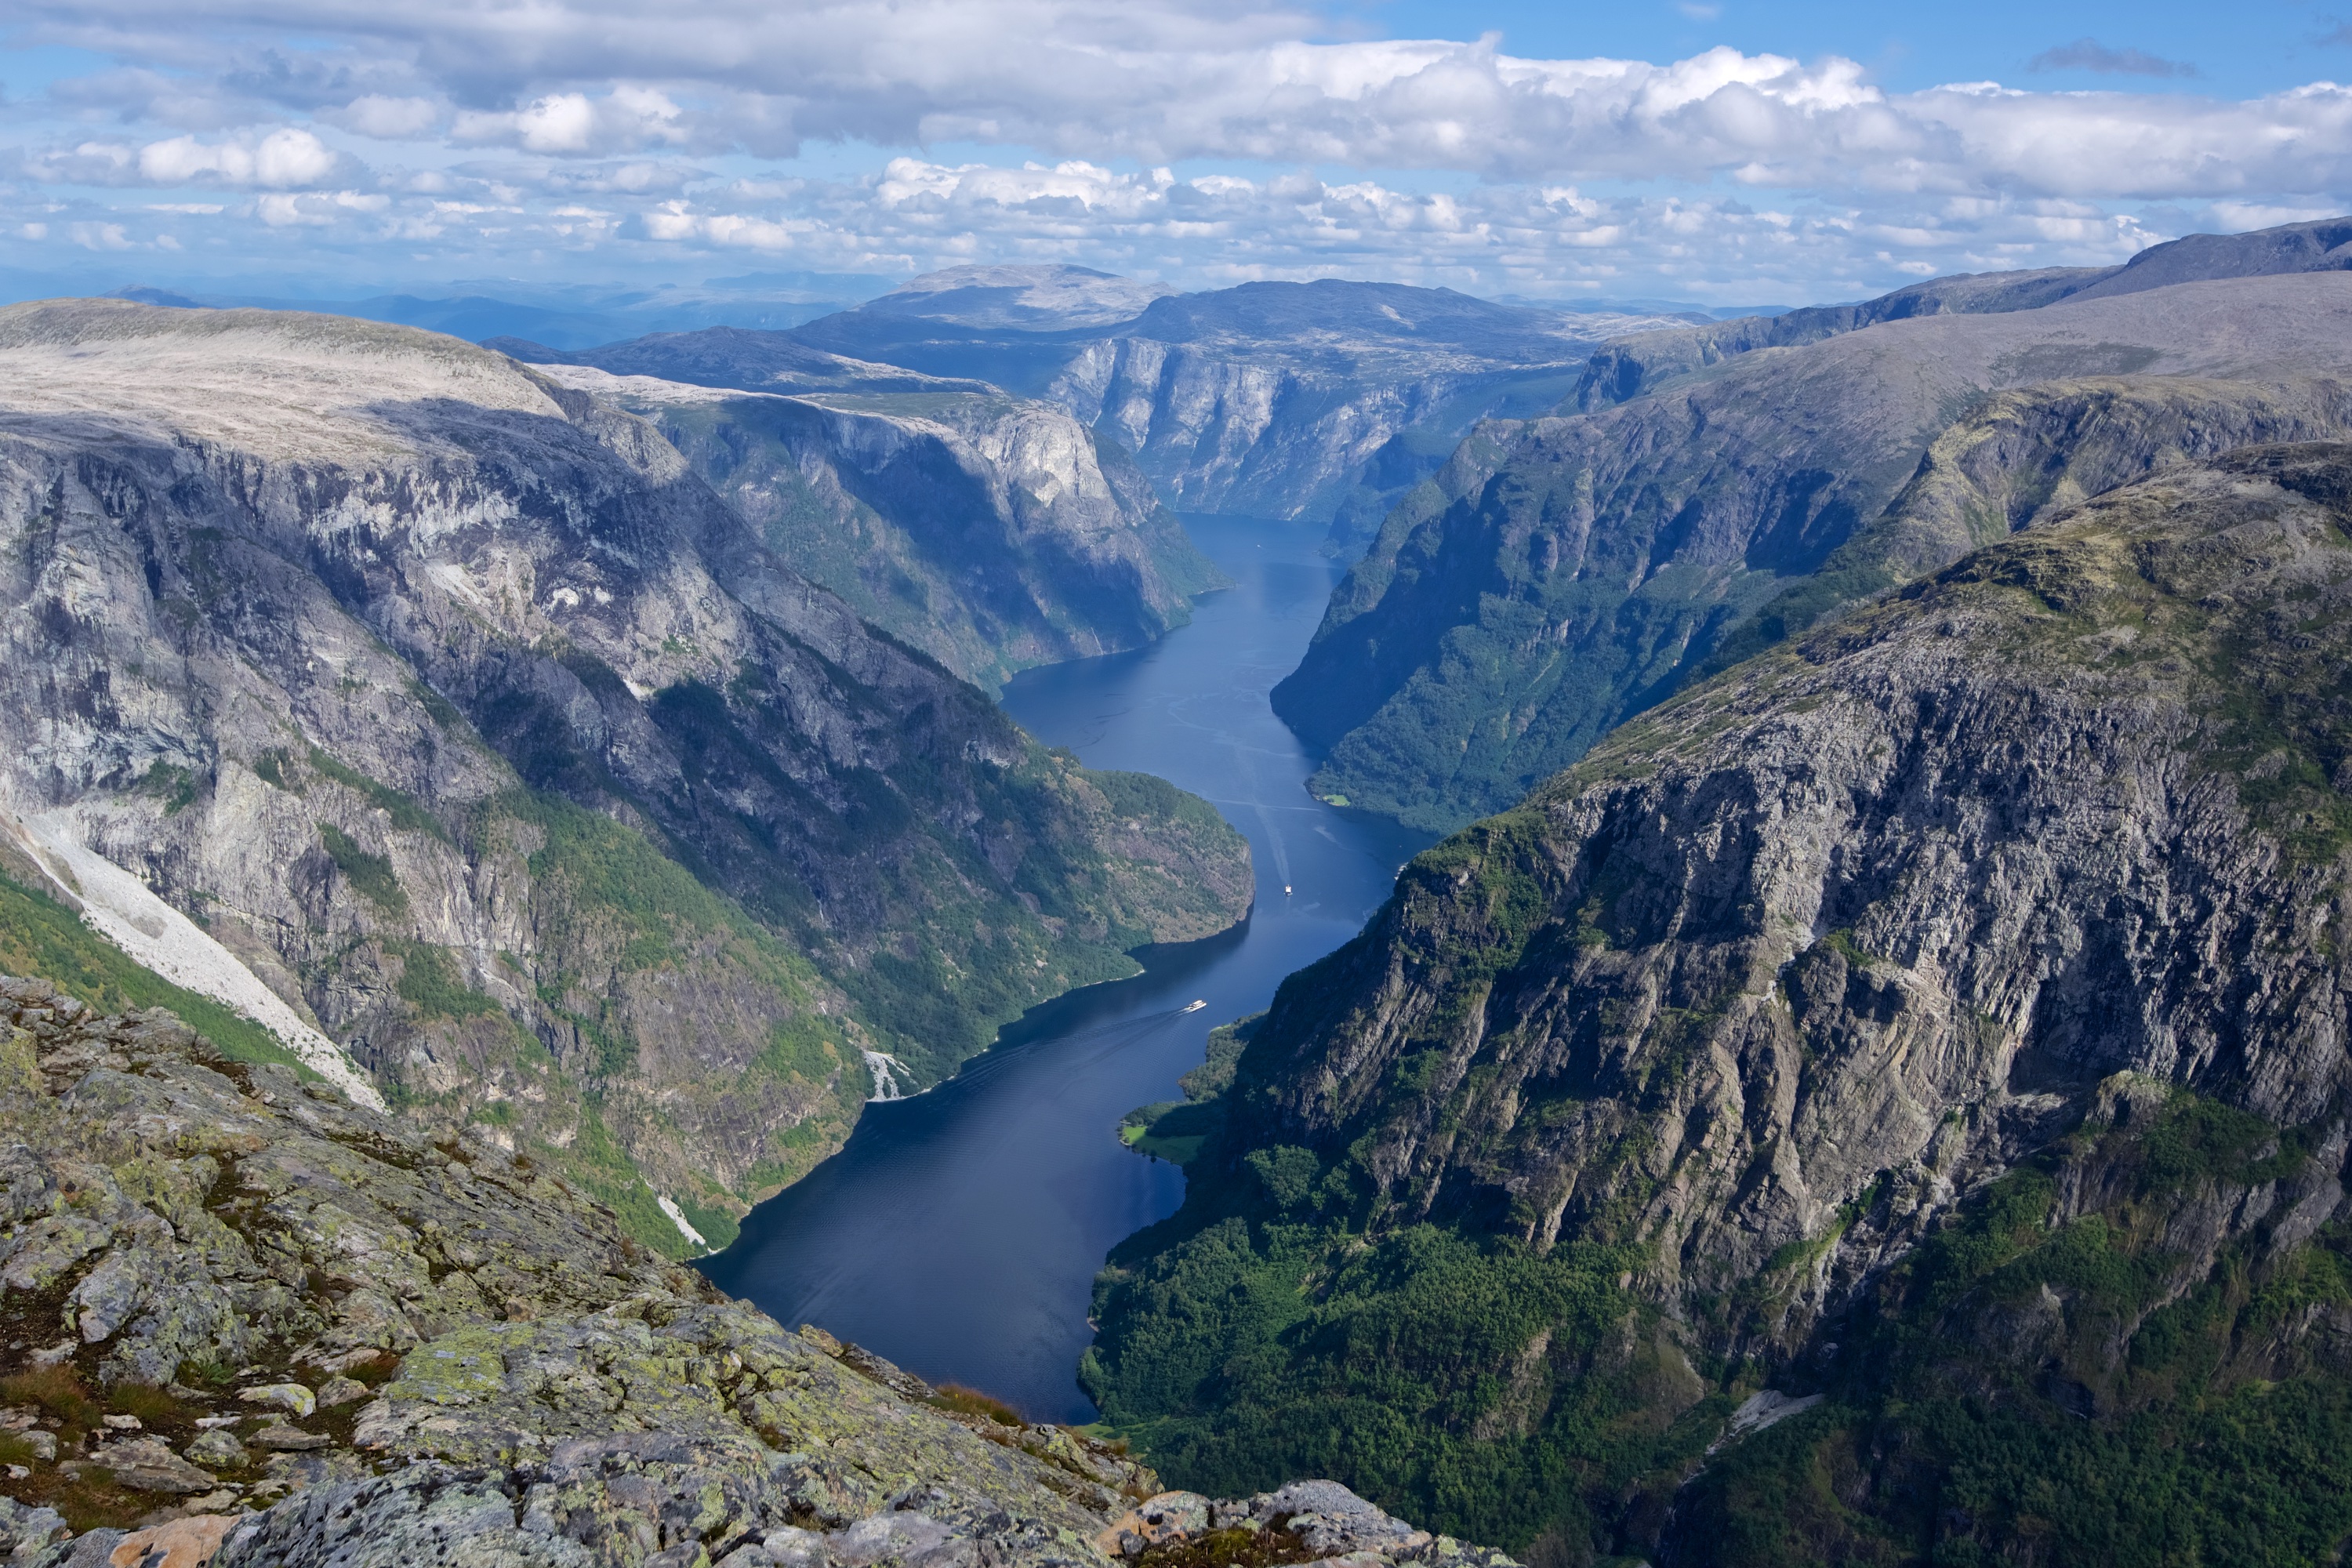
x: 1194, y: 1005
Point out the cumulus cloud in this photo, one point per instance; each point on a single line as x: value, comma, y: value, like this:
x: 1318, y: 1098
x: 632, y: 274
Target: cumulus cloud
x: 2090, y: 55
x: 623, y: 118
x: 1163, y: 80
x: 614, y: 127
x: 1560, y: 240
x: 284, y: 158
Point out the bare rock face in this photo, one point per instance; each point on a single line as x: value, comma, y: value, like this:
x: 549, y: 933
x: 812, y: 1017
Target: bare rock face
x: 992, y: 533
x: 539, y: 1388
x: 1318, y: 401
x: 452, y: 713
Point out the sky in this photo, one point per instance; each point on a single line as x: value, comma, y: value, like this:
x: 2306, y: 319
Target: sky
x: 1708, y: 150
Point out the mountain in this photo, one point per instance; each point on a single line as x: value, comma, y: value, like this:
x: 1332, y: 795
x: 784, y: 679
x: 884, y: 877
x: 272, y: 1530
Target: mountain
x: 1044, y: 297
x: 1886, y: 1105
x: 1624, y: 370
x: 1563, y: 573
x: 1320, y: 400
x: 737, y: 357
x: 256, y: 1325
x: 992, y: 533
x: 566, y: 316
x: 378, y: 679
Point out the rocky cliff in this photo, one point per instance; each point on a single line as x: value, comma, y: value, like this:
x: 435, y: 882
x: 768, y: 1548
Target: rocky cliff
x: 1901, y: 1084
x: 1565, y: 573
x: 992, y: 533
x: 251, y: 1323
x: 1321, y: 401
x: 451, y: 710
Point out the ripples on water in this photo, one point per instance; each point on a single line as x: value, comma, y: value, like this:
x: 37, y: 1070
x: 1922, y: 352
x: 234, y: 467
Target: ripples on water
x: 959, y: 1231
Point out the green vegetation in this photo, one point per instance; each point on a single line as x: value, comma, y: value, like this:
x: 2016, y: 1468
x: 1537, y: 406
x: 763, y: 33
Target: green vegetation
x: 1215, y: 1074
x: 429, y: 982
x: 40, y: 936
x: 2164, y: 1416
x: 1274, y: 1342
x: 174, y: 786
x: 1176, y: 1129
x: 2182, y: 1420
x: 369, y: 875
x: 407, y: 816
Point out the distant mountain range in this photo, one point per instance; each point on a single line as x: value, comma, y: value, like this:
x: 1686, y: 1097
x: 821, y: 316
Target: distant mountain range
x: 568, y: 318
x: 1318, y: 402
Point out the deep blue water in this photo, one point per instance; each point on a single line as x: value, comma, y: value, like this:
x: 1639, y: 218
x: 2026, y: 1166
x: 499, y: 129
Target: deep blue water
x: 958, y: 1232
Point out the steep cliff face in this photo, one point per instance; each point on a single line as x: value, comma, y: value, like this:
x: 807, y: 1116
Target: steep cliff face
x: 1946, y: 1012
x: 991, y: 533
x: 1275, y: 399
x: 1561, y: 574
x: 254, y: 1324
x: 457, y: 710
x: 1322, y: 401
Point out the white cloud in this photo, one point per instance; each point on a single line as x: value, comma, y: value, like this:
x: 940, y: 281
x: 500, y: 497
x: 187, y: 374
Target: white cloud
x: 626, y: 117
x: 283, y: 159
x: 621, y: 128
x: 388, y: 118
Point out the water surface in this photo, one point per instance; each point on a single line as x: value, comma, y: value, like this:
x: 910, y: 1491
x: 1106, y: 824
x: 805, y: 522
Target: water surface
x: 958, y: 1232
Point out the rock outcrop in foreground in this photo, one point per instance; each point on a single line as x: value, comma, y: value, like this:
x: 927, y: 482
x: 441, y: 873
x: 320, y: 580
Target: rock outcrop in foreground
x: 249, y: 1323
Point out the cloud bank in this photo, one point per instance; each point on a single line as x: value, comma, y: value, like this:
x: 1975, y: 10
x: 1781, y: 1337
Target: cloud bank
x: 1183, y: 140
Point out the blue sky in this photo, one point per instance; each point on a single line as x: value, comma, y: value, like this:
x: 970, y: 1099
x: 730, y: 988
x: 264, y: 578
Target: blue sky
x: 1724, y: 152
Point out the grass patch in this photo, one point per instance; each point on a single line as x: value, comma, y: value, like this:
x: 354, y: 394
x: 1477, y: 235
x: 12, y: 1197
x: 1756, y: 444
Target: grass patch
x: 40, y: 936
x: 369, y: 875
x: 60, y: 1391
x: 429, y: 982
x: 967, y: 1401
x: 407, y: 815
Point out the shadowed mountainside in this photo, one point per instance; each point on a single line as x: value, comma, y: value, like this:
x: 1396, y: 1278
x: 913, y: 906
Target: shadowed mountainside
x: 992, y: 533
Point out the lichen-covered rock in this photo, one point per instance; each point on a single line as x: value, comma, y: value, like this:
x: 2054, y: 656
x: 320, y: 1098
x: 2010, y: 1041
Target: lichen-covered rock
x: 1306, y: 1521
x: 533, y: 1387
